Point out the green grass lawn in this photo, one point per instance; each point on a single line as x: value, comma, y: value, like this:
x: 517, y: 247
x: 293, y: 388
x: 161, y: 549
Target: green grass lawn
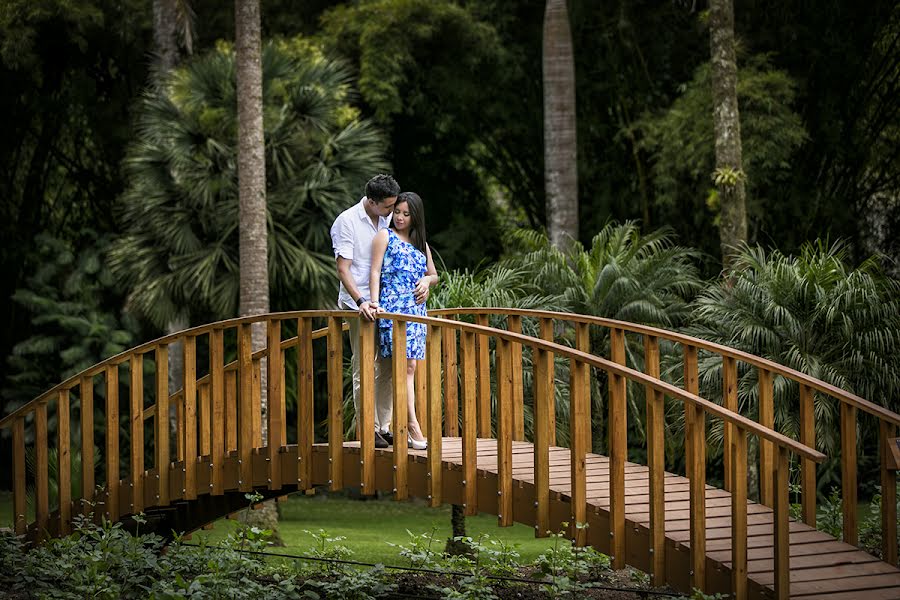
x: 370, y: 525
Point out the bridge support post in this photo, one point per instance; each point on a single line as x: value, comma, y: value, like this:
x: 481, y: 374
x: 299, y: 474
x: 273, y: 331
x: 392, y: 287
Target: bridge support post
x: 656, y: 461
x: 470, y: 424
x: 618, y: 451
x: 504, y: 433
x: 435, y: 409
x: 305, y: 408
x: 695, y: 446
x: 888, y: 495
x: 782, y: 525
x: 335, y: 404
x: 365, y: 420
x: 739, y: 513
x: 400, y: 415
x: 543, y: 390
x: 807, y: 467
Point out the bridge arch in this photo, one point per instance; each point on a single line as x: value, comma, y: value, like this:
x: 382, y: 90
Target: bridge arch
x: 677, y: 528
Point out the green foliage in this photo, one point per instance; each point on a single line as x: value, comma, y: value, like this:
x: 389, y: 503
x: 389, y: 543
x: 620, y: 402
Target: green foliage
x: 352, y: 585
x: 438, y: 77
x: 567, y: 567
x: 325, y: 548
x: 420, y: 550
x: 101, y: 561
x: 66, y: 298
x: 830, y: 519
x: 812, y: 312
x: 626, y: 275
x: 179, y: 249
x: 681, y: 142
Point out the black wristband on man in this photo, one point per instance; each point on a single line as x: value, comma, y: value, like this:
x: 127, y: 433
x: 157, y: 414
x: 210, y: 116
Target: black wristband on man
x: 362, y: 300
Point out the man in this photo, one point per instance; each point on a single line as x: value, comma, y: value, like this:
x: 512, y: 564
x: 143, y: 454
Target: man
x: 351, y: 237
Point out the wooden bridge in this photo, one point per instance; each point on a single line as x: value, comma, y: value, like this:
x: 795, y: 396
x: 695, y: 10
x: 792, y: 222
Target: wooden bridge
x: 483, y: 452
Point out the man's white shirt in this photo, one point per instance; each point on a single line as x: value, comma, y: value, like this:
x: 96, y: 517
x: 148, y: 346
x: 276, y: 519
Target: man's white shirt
x: 351, y: 238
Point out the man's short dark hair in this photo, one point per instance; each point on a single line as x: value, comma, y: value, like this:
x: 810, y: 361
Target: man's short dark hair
x: 382, y: 186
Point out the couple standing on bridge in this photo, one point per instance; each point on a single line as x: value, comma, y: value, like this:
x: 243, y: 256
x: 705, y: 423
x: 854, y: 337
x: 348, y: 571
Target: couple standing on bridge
x: 385, y: 265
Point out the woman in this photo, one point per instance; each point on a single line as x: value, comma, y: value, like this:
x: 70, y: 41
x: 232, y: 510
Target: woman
x: 402, y: 269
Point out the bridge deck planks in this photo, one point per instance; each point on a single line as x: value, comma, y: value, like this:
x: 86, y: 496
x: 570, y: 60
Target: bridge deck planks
x: 821, y: 567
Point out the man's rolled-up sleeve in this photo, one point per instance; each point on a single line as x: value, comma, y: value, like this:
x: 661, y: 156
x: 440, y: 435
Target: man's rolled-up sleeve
x: 342, y: 240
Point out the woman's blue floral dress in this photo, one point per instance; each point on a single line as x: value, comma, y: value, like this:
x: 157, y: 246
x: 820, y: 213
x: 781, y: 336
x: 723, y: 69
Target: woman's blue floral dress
x: 403, y: 266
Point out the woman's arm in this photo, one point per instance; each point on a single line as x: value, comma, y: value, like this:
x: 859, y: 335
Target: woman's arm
x: 379, y: 247
x: 429, y: 279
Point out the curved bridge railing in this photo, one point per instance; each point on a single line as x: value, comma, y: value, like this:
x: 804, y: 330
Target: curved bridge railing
x: 219, y: 422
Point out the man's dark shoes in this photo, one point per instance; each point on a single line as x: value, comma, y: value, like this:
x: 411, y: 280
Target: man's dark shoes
x: 380, y: 442
x: 388, y: 437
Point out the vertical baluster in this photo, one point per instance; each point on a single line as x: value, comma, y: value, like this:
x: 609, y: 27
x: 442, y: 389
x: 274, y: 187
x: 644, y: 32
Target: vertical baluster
x: 420, y: 381
x: 730, y: 401
x: 87, y: 443
x: 20, y: 506
x: 400, y: 417
x: 365, y: 421
x: 178, y: 398
x: 514, y: 324
x: 766, y: 448
x: 543, y: 392
x: 578, y: 417
x: 217, y: 393
x: 305, y: 404
x: 451, y: 382
x: 335, y: 404
x: 470, y: 416
x: 275, y: 409
x: 231, y: 410
x: 137, y: 433
x: 483, y: 366
x: 583, y: 343
x: 504, y: 432
x: 112, y: 442
x: 848, y: 473
x: 205, y: 418
x: 41, y: 471
x: 656, y: 461
x: 546, y: 327
x: 739, y: 513
x: 807, y: 466
x: 695, y: 446
x: 162, y: 448
x: 433, y: 365
x: 190, y: 418
x: 245, y: 401
x: 618, y: 451
x: 256, y: 411
x: 782, y: 525
x: 64, y: 462
x: 887, y: 431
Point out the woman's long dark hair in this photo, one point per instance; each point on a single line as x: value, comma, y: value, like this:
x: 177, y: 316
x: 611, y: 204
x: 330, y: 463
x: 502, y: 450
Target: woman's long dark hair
x: 416, y: 219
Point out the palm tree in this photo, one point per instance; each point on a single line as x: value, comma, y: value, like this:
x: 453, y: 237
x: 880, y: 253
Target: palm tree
x: 172, y: 19
x: 625, y: 275
x: 814, y: 313
x: 180, y: 214
x: 729, y: 174
x: 560, y: 152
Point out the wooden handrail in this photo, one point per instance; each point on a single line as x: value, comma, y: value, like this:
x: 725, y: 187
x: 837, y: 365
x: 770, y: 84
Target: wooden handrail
x: 751, y: 359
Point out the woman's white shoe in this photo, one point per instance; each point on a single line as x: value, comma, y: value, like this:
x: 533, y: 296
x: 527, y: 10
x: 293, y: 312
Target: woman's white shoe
x: 417, y: 444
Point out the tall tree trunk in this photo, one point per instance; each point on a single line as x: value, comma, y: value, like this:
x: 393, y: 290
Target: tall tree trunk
x: 729, y: 175
x: 165, y: 34
x: 560, y: 152
x: 253, y: 236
